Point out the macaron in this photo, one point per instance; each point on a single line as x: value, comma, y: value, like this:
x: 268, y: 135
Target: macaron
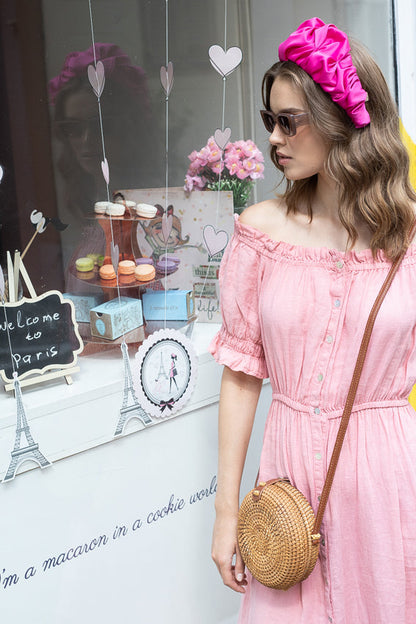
x: 130, y: 205
x: 145, y: 261
x: 97, y: 259
x: 144, y: 272
x: 126, y: 267
x: 170, y: 258
x: 84, y: 264
x: 146, y: 210
x: 166, y: 266
x: 107, y: 272
x: 100, y: 207
x: 115, y: 210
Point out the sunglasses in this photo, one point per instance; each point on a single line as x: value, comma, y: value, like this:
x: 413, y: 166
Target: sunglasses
x: 287, y: 122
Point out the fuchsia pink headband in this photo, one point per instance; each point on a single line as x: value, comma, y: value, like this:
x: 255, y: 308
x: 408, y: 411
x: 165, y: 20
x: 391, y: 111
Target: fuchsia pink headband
x: 323, y: 52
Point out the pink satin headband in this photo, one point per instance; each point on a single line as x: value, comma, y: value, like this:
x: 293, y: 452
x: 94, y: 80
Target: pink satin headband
x: 323, y: 52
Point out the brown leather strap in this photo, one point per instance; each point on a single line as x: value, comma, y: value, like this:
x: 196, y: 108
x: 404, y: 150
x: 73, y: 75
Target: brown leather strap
x: 354, y: 386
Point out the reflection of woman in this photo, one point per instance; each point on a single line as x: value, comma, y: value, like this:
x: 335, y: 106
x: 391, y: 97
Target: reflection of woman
x: 127, y: 128
x: 298, y: 280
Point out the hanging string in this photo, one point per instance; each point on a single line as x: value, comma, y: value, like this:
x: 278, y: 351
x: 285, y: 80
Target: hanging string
x: 165, y: 216
x: 100, y: 116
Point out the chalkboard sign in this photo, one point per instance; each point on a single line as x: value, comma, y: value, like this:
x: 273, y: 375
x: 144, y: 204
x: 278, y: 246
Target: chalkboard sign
x: 38, y: 334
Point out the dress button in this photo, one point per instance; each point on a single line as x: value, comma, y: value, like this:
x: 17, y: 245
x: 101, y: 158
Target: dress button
x: 337, y: 303
x: 340, y: 264
x: 329, y: 339
x: 317, y: 411
x: 320, y: 377
x: 318, y: 456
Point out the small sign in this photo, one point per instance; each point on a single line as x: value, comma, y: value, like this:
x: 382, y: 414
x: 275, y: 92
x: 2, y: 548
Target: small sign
x: 37, y: 335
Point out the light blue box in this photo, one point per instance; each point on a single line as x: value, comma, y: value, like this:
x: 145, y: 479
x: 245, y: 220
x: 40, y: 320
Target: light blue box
x: 179, y: 305
x: 83, y: 304
x: 116, y: 317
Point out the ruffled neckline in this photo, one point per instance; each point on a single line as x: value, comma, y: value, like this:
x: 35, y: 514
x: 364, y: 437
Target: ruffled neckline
x: 264, y: 243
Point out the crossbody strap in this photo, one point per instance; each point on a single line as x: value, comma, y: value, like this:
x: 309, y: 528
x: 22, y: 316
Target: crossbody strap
x: 353, y: 389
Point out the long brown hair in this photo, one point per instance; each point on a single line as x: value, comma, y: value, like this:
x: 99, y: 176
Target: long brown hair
x: 370, y: 165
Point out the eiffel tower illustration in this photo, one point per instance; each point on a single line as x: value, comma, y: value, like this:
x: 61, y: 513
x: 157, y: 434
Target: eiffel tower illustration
x: 162, y: 371
x: 21, y: 454
x: 134, y: 410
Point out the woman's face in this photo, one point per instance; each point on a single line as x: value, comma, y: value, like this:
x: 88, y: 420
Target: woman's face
x: 304, y: 154
x: 82, y: 129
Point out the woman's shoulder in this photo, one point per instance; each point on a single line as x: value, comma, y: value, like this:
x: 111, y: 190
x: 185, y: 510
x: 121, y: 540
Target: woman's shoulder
x: 267, y: 216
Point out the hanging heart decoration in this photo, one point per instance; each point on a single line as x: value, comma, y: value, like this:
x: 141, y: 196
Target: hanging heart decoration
x: 225, y: 62
x: 97, y: 78
x: 221, y: 137
x: 1, y: 173
x: 38, y: 221
x: 215, y: 240
x: 166, y: 226
x: 115, y: 254
x: 105, y: 170
x: 166, y: 77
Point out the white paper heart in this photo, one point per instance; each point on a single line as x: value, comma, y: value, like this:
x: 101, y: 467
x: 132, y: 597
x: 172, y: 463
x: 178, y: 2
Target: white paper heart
x: 1, y: 173
x: 166, y: 226
x: 115, y: 254
x: 97, y: 78
x: 221, y: 137
x: 37, y: 218
x: 105, y: 170
x: 215, y: 240
x: 225, y: 62
x: 166, y: 77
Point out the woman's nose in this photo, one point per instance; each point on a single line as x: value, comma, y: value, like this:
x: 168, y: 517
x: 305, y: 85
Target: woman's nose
x: 277, y: 137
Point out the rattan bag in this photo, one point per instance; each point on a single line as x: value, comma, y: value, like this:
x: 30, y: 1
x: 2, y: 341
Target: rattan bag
x: 275, y: 538
x: 278, y: 533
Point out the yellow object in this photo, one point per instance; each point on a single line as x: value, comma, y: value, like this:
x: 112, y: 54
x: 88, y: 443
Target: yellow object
x: 411, y: 148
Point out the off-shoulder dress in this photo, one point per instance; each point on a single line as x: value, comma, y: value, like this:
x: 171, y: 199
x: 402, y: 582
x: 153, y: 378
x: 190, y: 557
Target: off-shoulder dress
x: 297, y: 315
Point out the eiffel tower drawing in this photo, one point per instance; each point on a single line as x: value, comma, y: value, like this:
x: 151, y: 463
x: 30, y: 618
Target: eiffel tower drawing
x: 162, y: 372
x: 134, y: 410
x: 30, y: 452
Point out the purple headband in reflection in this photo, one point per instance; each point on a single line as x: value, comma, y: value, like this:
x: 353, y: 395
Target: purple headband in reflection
x: 117, y: 67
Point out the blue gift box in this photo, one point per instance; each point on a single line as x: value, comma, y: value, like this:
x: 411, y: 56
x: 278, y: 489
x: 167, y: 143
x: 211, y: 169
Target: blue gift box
x: 178, y: 305
x: 83, y: 304
x: 116, y: 317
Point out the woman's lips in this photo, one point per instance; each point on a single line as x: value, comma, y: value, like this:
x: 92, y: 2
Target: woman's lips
x: 283, y: 159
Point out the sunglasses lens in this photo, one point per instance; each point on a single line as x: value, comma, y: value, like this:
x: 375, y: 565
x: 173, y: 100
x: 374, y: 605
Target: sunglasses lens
x: 284, y: 123
x: 268, y: 120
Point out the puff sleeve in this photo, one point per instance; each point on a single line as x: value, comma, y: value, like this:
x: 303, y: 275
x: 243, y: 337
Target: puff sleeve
x: 238, y: 344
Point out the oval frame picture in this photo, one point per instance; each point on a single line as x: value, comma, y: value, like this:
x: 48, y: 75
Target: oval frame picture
x: 165, y: 372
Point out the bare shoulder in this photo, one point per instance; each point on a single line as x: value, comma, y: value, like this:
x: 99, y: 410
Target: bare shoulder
x: 266, y: 216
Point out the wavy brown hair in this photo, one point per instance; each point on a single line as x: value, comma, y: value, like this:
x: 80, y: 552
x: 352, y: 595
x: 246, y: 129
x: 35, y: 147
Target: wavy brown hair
x: 370, y: 164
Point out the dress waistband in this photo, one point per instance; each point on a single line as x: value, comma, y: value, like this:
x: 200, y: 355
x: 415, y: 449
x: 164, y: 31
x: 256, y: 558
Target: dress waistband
x: 336, y: 413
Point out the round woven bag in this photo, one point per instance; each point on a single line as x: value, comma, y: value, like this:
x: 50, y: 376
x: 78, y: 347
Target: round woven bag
x: 275, y: 538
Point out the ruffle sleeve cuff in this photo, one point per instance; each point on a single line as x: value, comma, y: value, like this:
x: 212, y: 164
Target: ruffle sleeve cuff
x: 239, y: 354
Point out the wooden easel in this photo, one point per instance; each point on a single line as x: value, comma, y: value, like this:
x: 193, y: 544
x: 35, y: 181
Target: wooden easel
x: 14, y: 269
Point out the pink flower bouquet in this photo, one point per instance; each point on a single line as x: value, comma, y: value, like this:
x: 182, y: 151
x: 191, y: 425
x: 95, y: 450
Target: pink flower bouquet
x: 234, y: 169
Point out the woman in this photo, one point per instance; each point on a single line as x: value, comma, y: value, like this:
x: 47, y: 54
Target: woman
x: 127, y: 128
x: 298, y: 280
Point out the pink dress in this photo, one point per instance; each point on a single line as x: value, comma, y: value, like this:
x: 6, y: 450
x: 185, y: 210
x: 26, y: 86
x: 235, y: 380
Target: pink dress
x: 297, y: 315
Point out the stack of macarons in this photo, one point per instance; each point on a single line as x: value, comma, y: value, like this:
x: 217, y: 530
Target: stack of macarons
x: 109, y: 208
x: 167, y: 264
x: 146, y: 211
x: 118, y: 208
x: 144, y: 272
x: 85, y: 268
x: 107, y: 272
